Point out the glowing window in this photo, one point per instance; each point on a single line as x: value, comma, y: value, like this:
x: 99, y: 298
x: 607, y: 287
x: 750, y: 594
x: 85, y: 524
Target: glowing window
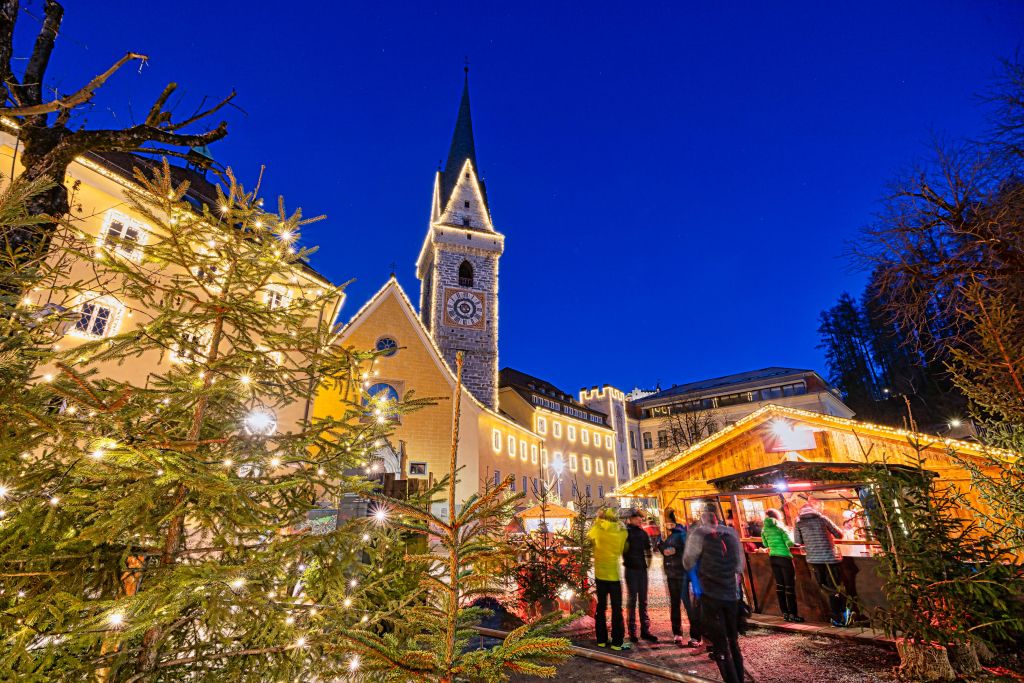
x: 275, y: 296
x: 542, y: 424
x: 533, y: 454
x: 100, y: 316
x: 123, y: 235
x: 523, y: 453
x: 611, y: 468
x: 544, y: 457
x: 191, y: 346
x: 585, y: 437
x: 608, y: 441
x: 586, y: 464
x: 511, y: 446
x: 496, y: 440
x: 571, y: 432
x: 598, y: 466
x: 556, y: 430
x: 572, y: 462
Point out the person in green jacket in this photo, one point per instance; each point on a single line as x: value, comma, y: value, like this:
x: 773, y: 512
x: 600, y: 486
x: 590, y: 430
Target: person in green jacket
x: 777, y: 539
x: 609, y: 539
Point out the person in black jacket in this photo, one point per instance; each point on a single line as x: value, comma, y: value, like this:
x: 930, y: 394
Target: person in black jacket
x: 636, y: 558
x: 717, y: 549
x: 679, y: 583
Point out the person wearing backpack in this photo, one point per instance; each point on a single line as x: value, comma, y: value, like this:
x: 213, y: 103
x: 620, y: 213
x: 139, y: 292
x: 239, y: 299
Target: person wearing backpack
x: 775, y: 536
x: 679, y: 582
x: 817, y: 533
x: 716, y: 549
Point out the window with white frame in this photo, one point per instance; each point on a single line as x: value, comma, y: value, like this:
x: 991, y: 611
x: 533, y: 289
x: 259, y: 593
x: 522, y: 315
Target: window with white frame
x: 556, y: 430
x: 572, y: 462
x: 123, y: 235
x: 542, y: 424
x: 100, y: 316
x: 190, y: 346
x: 585, y: 437
x: 598, y: 466
x: 496, y: 440
x: 608, y: 441
x: 275, y: 296
x: 511, y: 446
x: 544, y: 457
x: 586, y: 464
x: 611, y: 468
x: 571, y: 432
x: 523, y: 453
x: 533, y: 453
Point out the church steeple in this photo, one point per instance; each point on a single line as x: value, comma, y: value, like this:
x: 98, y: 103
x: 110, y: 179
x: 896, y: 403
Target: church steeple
x: 458, y: 265
x: 459, y: 179
x: 463, y: 147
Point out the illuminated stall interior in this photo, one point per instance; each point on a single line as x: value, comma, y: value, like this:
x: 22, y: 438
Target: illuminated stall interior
x: 779, y: 457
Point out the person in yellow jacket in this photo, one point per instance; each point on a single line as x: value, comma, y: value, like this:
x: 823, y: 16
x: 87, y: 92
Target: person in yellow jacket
x: 609, y: 538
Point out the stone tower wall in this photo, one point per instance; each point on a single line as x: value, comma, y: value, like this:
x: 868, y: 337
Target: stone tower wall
x: 480, y: 367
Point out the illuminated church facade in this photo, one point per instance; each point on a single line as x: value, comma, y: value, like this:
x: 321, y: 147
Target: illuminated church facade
x: 577, y: 447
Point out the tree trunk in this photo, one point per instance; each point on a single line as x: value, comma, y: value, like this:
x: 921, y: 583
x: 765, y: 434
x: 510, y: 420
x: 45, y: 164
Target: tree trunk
x: 964, y: 658
x: 923, y: 661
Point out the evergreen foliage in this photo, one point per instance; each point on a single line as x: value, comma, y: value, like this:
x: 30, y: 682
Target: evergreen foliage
x: 165, y: 529
x: 467, y: 539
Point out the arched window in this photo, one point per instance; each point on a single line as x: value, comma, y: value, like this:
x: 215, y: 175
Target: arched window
x: 466, y: 274
x: 381, y: 400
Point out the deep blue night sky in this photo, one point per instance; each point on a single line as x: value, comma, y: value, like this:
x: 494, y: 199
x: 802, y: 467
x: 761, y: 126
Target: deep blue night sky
x: 676, y: 183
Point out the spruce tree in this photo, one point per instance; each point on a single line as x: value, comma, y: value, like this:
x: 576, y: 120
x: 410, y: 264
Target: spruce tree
x: 469, y: 540
x: 172, y: 528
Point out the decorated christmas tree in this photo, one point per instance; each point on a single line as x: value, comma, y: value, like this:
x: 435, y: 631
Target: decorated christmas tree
x: 168, y: 505
x: 468, y: 538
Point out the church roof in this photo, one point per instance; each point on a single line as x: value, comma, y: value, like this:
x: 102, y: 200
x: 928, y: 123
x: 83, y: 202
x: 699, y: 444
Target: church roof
x: 463, y: 147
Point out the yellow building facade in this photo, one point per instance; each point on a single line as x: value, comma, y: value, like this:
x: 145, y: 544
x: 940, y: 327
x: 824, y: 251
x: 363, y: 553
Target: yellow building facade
x: 98, y: 186
x: 491, y: 446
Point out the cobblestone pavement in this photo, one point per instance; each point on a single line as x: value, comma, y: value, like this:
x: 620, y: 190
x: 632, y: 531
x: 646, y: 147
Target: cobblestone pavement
x: 770, y: 656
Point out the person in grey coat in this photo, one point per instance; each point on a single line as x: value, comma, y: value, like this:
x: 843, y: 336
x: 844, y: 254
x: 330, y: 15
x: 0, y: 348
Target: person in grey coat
x: 817, y: 534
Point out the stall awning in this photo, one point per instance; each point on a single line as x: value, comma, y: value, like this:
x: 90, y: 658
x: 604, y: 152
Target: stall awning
x: 788, y: 475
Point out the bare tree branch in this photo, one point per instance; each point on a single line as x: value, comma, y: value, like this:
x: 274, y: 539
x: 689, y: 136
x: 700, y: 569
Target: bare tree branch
x: 32, y: 81
x: 8, y: 13
x: 81, y: 97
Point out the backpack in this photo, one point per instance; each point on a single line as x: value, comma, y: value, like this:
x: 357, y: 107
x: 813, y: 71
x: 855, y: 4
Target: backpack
x: 719, y: 550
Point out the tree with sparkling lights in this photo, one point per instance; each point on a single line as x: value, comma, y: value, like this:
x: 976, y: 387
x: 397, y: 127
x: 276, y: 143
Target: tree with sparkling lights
x: 183, y: 527
x: 469, y: 538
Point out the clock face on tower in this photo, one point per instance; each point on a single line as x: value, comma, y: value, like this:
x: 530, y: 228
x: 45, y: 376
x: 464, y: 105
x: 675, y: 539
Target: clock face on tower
x: 464, y: 308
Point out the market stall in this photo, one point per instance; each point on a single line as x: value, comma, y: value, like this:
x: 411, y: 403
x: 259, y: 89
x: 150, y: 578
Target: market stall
x: 742, y: 500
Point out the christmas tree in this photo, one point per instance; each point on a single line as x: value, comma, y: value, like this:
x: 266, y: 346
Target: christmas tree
x: 183, y: 525
x: 469, y: 538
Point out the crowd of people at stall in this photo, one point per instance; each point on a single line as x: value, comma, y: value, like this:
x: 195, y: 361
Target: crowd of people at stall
x: 704, y: 563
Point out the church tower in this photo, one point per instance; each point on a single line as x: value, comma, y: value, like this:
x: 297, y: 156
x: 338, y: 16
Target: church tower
x: 458, y: 265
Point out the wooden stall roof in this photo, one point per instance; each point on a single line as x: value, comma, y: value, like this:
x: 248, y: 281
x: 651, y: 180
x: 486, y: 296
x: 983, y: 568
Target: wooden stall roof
x: 547, y: 510
x: 647, y: 483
